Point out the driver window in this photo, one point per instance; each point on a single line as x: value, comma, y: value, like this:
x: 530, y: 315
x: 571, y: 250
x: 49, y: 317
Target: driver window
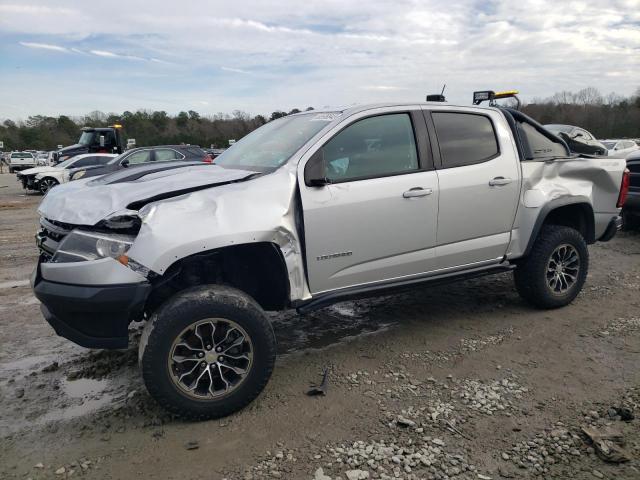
x: 372, y: 147
x: 139, y: 157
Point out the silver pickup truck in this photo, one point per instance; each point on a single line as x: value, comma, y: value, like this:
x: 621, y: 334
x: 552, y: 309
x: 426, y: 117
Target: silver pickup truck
x: 309, y: 210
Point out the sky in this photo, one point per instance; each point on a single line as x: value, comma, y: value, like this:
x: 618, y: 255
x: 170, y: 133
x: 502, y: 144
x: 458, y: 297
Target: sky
x: 74, y: 56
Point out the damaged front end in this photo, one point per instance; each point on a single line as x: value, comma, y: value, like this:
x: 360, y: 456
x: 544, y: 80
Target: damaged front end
x: 123, y: 249
x: 88, y: 294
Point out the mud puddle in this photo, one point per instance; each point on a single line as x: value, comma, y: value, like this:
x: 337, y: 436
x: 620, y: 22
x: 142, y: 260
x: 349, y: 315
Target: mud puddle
x: 85, y: 396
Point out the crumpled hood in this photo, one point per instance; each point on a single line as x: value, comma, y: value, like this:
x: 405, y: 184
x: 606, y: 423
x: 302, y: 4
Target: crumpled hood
x: 36, y: 170
x: 86, y: 202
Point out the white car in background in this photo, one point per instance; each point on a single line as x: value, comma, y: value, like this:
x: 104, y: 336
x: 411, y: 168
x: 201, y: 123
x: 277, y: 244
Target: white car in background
x: 620, y: 148
x: 42, y: 179
x: 42, y: 159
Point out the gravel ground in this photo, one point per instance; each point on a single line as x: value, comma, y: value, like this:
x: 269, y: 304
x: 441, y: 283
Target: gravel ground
x: 462, y: 381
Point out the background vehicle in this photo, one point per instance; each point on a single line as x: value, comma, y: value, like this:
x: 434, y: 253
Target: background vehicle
x: 41, y: 159
x: 306, y: 211
x: 631, y: 209
x: 214, y: 152
x: 145, y: 155
x: 620, y: 148
x: 43, y: 178
x: 21, y: 161
x: 47, y: 177
x: 578, y: 139
x: 95, y: 140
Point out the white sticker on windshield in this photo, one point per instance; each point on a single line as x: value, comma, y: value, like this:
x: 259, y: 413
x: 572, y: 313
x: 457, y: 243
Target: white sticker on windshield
x: 325, y: 117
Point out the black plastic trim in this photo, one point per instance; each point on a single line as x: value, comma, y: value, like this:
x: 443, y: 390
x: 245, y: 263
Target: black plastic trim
x: 554, y: 205
x: 91, y: 316
x: 329, y: 298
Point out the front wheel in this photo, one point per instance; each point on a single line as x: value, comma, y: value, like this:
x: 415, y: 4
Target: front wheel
x: 555, y: 270
x: 47, y: 184
x: 207, y: 352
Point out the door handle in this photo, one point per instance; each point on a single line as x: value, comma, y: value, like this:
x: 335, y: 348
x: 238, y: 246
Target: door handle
x: 498, y: 181
x: 417, y: 192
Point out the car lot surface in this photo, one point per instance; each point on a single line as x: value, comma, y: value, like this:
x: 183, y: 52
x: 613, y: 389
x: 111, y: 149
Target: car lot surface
x: 458, y: 381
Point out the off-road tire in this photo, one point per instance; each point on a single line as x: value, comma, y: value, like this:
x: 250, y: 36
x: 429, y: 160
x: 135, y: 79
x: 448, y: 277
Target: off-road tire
x: 181, y: 311
x: 531, y: 274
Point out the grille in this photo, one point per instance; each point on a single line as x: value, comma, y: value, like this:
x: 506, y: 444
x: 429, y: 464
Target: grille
x: 50, y: 235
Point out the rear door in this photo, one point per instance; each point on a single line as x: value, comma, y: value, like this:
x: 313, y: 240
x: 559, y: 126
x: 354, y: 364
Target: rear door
x: 479, y: 178
x: 376, y: 220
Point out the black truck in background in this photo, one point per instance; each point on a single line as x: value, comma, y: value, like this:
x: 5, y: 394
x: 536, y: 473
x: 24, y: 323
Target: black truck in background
x: 94, y: 140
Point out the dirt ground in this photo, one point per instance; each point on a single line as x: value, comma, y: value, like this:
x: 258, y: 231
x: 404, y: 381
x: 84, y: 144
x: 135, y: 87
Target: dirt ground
x: 459, y: 381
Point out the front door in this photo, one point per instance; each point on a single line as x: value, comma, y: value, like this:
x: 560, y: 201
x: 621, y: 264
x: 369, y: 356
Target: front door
x: 376, y: 218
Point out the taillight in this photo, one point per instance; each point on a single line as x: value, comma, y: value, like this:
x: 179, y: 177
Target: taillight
x: 624, y: 188
x: 207, y: 159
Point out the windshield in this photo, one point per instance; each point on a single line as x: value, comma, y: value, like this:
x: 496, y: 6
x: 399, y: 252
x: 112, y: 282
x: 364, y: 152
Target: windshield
x: 271, y: 145
x: 609, y: 145
x: 556, y: 129
x: 87, y: 138
x: 66, y: 163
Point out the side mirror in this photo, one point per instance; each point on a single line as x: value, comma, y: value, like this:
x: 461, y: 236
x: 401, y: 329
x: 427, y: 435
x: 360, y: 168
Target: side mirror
x: 102, y: 140
x: 315, y: 170
x: 125, y: 163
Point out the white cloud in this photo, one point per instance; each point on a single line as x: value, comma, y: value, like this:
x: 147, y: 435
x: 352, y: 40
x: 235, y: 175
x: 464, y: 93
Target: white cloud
x: 108, y: 54
x: 382, y: 88
x: 44, y: 46
x: 328, y: 52
x: 235, y: 70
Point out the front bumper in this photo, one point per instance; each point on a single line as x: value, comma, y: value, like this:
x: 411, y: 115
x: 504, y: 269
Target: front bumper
x: 91, y: 316
x: 28, y: 181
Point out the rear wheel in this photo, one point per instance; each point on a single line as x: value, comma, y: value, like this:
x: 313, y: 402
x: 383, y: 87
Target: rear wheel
x: 207, y: 352
x: 555, y: 271
x: 47, y: 184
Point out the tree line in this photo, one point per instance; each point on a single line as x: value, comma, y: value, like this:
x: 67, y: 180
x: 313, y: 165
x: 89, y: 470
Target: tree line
x: 610, y: 116
x: 606, y: 116
x: 40, y: 132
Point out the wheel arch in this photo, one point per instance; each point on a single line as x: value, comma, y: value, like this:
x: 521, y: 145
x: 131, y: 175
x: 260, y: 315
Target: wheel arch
x: 258, y: 269
x: 574, y: 212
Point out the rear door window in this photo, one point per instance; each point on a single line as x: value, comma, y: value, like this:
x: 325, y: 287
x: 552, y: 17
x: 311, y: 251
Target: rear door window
x: 167, y: 154
x: 465, y: 138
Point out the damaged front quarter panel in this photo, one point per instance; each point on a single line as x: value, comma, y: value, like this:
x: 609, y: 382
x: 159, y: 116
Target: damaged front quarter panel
x: 260, y: 210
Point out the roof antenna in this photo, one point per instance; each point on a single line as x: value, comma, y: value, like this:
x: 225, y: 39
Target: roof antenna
x: 437, y: 97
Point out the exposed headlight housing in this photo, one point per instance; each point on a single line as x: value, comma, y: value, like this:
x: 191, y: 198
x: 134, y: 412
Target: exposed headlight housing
x: 78, y: 175
x: 82, y: 246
